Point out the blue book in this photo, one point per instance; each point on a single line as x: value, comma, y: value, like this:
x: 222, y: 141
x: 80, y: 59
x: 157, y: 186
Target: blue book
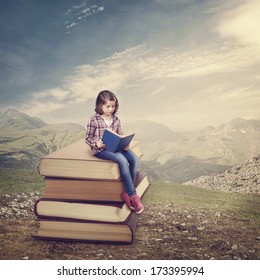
x: 115, y: 142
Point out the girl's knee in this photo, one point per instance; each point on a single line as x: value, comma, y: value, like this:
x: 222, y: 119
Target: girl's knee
x: 132, y: 157
x: 121, y: 160
x: 134, y: 161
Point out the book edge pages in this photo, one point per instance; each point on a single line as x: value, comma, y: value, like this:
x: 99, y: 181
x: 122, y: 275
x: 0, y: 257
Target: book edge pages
x: 131, y: 224
x: 97, y: 191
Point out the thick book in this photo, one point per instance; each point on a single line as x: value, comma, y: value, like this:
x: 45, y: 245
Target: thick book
x: 75, y: 189
x: 88, y: 231
x: 86, y: 190
x: 102, y: 212
x: 115, y: 142
x: 75, y: 161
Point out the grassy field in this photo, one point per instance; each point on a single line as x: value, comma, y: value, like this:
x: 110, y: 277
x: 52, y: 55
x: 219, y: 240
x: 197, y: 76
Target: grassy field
x: 243, y: 206
x: 20, y: 180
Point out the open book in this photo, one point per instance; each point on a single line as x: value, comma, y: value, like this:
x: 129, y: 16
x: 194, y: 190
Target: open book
x: 115, y: 142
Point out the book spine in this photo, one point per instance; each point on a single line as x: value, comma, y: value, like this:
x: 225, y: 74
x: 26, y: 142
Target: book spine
x: 35, y: 207
x: 132, y: 223
x: 39, y: 167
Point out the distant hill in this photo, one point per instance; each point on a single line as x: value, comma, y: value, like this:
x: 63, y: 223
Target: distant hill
x: 24, y: 139
x: 184, y: 156
x: 182, y: 169
x: 15, y: 120
x: 149, y: 131
x: 228, y: 144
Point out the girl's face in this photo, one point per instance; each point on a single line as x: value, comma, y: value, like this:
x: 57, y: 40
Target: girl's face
x: 108, y: 108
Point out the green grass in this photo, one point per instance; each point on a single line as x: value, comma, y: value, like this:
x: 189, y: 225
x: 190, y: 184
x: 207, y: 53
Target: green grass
x: 20, y: 181
x: 243, y: 206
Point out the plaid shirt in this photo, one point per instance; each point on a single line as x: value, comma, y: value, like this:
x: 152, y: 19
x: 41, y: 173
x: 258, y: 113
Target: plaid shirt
x: 95, y: 129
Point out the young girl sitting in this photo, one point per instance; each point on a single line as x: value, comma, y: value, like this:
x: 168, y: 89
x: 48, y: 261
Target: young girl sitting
x: 106, y: 108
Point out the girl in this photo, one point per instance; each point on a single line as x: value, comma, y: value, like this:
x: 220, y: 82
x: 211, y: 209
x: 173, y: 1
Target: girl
x: 106, y: 109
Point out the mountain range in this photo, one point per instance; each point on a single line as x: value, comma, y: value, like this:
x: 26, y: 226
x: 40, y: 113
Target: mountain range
x: 228, y: 144
x: 184, y: 156
x: 168, y: 155
x: 24, y: 139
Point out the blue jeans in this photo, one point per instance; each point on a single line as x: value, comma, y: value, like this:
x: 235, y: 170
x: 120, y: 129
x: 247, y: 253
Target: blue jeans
x: 128, y: 166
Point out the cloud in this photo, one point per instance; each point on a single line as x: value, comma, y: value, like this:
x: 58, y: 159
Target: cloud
x: 139, y: 66
x: 211, y: 105
x: 71, y: 25
x: 76, y: 14
x: 194, y: 82
x: 242, y: 23
x: 158, y: 90
x: 164, y: 71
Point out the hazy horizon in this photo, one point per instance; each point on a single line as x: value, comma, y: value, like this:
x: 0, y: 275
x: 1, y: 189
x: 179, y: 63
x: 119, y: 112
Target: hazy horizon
x: 129, y: 122
x: 186, y: 64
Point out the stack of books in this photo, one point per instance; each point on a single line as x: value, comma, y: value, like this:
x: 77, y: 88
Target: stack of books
x: 82, y: 200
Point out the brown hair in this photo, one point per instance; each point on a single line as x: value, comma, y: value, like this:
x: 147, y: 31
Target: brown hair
x: 102, y: 98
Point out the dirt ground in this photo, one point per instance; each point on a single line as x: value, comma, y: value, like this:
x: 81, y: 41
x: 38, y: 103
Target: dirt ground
x: 163, y: 232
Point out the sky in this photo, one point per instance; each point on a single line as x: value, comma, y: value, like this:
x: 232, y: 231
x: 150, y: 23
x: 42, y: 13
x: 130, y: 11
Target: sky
x: 184, y: 63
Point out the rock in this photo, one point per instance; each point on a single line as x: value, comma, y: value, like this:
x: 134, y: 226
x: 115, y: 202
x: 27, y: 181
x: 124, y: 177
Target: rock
x: 150, y: 223
x: 17, y: 206
x: 220, y: 245
x: 200, y: 228
x: 243, y: 178
x: 192, y: 238
x: 100, y: 255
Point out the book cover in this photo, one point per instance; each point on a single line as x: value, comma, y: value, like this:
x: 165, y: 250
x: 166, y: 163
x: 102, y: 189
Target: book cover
x: 115, y: 142
x: 75, y: 189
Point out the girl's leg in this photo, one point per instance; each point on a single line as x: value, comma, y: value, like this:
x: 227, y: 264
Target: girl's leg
x: 133, y: 161
x: 123, y: 164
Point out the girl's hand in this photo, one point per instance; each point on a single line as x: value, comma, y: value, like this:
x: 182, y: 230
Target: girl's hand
x: 100, y: 144
x: 126, y: 148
